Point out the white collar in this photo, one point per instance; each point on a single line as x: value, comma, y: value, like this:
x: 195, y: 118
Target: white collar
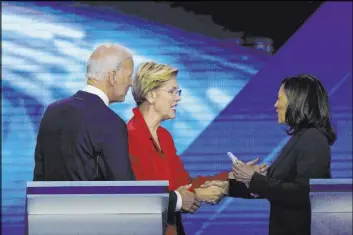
x: 98, y: 92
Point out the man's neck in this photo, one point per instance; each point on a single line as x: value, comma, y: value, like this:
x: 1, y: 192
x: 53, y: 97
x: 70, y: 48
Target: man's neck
x: 97, y: 91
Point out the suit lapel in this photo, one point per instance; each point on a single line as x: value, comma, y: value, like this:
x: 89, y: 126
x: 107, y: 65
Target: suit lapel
x: 284, y: 152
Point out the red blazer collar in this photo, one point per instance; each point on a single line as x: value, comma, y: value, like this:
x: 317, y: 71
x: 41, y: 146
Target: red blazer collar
x: 141, y: 123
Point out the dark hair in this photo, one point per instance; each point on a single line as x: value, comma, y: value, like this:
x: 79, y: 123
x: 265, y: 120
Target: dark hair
x: 308, y: 105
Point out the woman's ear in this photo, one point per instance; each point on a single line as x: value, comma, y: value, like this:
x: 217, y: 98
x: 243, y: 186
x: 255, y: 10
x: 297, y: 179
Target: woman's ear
x: 151, y: 96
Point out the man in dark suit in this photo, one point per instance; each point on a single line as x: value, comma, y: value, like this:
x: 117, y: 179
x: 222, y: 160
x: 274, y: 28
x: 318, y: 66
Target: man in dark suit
x: 80, y: 138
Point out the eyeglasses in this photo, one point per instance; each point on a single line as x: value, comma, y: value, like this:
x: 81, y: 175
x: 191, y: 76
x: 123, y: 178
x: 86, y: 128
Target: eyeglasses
x: 173, y: 92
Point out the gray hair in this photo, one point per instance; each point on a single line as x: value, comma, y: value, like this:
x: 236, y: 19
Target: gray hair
x: 97, y: 68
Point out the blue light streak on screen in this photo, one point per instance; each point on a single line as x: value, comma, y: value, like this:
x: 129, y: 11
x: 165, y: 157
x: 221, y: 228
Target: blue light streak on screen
x: 45, y: 48
x: 248, y: 125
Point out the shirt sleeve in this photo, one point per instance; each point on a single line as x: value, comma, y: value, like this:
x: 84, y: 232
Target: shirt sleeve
x: 179, y: 203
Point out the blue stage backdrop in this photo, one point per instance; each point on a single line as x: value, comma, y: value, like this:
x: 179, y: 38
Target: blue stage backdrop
x: 227, y: 104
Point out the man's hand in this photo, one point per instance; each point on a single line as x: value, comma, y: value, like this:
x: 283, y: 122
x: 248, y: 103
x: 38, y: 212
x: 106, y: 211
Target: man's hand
x: 190, y: 202
x: 213, y: 191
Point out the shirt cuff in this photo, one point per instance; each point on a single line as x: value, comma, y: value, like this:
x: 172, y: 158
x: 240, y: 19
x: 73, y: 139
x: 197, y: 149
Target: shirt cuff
x: 179, y: 201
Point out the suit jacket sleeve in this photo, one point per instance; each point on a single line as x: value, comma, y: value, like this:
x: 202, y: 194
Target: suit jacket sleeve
x: 130, y: 171
x: 116, y: 156
x: 38, y: 172
x: 171, y: 208
x: 313, y: 161
x: 238, y: 189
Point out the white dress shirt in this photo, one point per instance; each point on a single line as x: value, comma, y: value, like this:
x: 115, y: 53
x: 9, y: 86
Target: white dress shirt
x: 179, y: 201
x: 98, y: 92
x: 104, y: 97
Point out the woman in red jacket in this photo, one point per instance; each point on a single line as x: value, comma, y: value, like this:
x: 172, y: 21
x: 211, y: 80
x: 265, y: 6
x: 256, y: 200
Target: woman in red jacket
x: 151, y: 147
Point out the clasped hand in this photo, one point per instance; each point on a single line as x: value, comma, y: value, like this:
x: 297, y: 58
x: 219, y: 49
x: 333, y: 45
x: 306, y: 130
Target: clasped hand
x: 190, y: 201
x: 212, y: 193
x: 209, y: 194
x: 240, y: 171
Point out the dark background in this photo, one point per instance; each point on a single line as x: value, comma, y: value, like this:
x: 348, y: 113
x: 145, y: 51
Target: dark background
x: 277, y: 20
x: 230, y: 90
x: 274, y: 19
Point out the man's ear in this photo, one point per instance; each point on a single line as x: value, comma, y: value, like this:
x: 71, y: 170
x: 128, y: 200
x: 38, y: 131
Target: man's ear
x: 112, y: 78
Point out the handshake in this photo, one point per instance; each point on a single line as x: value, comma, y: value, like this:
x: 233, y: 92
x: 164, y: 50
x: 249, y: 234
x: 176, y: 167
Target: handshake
x: 209, y: 194
x: 212, y: 192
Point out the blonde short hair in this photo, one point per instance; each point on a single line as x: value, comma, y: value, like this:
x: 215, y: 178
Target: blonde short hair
x: 150, y: 76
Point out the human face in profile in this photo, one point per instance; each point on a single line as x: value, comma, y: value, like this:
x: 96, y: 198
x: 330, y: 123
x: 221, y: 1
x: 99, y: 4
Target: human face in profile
x: 123, y: 80
x: 167, y: 98
x: 281, y: 105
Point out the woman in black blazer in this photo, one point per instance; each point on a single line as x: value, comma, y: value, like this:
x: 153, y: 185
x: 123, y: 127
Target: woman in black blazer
x: 302, y: 104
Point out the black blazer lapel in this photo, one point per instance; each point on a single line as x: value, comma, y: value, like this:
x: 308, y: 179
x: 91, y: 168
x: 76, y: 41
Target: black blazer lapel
x: 285, y: 150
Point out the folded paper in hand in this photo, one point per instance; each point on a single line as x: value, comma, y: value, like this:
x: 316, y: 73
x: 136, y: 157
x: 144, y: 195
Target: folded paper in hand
x: 232, y: 157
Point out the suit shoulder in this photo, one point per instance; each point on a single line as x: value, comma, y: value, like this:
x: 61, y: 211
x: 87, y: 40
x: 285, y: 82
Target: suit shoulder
x: 60, y: 103
x: 57, y: 105
x: 114, y: 116
x: 314, y: 135
x: 120, y: 121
